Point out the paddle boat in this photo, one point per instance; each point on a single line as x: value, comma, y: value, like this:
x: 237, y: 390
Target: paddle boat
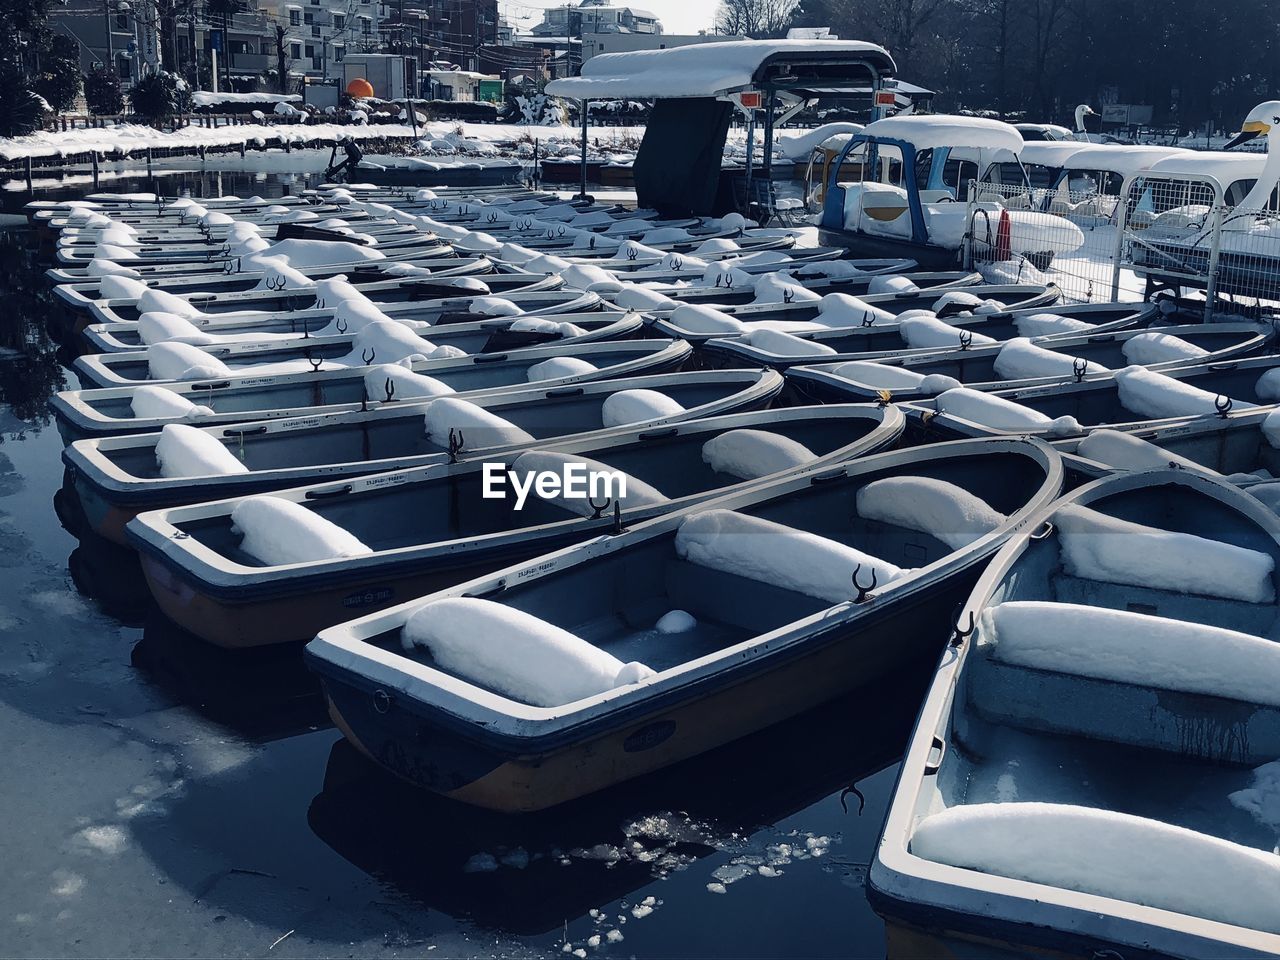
x: 1101, y: 729
x: 733, y: 615
x: 432, y: 527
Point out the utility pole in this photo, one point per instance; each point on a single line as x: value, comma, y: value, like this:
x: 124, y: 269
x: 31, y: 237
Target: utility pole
x: 111, y: 54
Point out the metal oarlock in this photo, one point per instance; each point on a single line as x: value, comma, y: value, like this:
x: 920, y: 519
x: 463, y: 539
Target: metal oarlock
x: 367, y: 355
x: 275, y: 284
x: 389, y: 388
x: 315, y: 364
x: 1079, y: 366
x: 1223, y: 405
x: 864, y: 592
x: 959, y: 634
x: 456, y: 441
x: 598, y: 509
x: 966, y: 339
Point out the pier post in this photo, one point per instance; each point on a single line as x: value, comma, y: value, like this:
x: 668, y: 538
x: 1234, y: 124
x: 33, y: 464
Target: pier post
x: 95, y: 169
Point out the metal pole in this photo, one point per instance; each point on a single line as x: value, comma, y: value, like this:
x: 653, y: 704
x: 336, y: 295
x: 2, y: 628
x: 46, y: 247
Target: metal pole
x: 767, y: 165
x: 751, y: 135
x: 1211, y: 287
x: 583, y: 194
x: 111, y: 53
x: 1121, y: 223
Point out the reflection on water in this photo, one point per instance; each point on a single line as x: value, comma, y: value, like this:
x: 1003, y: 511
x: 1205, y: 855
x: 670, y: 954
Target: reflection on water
x: 29, y: 366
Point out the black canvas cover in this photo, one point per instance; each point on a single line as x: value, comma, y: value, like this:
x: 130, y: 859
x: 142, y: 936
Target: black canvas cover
x: 677, y: 168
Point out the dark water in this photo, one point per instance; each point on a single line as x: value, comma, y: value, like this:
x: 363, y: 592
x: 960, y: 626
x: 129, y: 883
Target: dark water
x: 165, y: 798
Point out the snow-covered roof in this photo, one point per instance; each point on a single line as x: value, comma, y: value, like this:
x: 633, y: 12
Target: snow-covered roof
x: 1215, y: 165
x: 1046, y: 129
x: 705, y: 69
x: 941, y: 130
x: 1049, y: 153
x: 207, y: 98
x: 1123, y: 159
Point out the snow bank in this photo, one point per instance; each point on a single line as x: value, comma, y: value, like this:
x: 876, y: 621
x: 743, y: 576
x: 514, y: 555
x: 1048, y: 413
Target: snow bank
x: 1159, y: 348
x: 157, y: 403
x: 1134, y: 648
x: 405, y: 384
x: 637, y: 492
x: 845, y: 310
x: 280, y: 532
x: 1048, y: 325
x: 941, y: 509
x: 480, y: 427
x: 779, y: 555
x: 515, y: 653
x: 1124, y: 451
x: 1095, y: 546
x: 1152, y: 395
x: 637, y: 406
x: 922, y: 330
x: 1108, y: 854
x: 183, y: 451
x: 1021, y: 359
x: 183, y: 361
x: 997, y: 413
x: 559, y: 367
x: 783, y: 344
x: 751, y: 454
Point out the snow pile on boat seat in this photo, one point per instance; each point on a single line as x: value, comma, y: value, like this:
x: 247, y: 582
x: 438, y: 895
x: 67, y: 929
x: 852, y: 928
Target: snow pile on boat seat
x: 1124, y: 451
x: 480, y: 427
x: 1048, y: 325
x: 716, y: 245
x: 279, y: 532
x: 543, y: 325
x: 494, y: 307
x: 157, y: 403
x: 386, y: 341
x: 110, y: 251
x: 354, y: 314
x: 278, y: 274
x: 183, y: 361
x: 1019, y: 359
x: 478, y: 242
x: 98, y: 267
x: 845, y: 310
x: 633, y: 296
x: 772, y: 553
x: 1262, y: 798
x: 1268, y: 386
x: 785, y: 344
x: 776, y: 288
x: 666, y: 235
x: 626, y: 489
x: 961, y: 301
x: 637, y: 406
x: 584, y: 276
x: 183, y: 451
x: 929, y: 505
x: 1109, y: 854
x: 1095, y: 546
x: 165, y: 327
x: 116, y: 286
x: 1155, y: 396
x: 216, y: 219
x: 998, y: 413
x: 405, y: 384
x: 725, y: 274
x: 515, y: 653
x: 885, y: 376
x: 1135, y: 648
x: 697, y: 318
x: 681, y: 261
x: 545, y: 265
x: 891, y: 284
x: 159, y: 301
x: 751, y: 454
x: 921, y: 330
x: 1147, y: 348
x: 515, y: 254
x: 558, y: 367
x: 1271, y: 428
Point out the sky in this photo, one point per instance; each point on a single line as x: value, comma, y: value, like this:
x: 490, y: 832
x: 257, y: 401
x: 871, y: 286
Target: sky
x: 677, y: 16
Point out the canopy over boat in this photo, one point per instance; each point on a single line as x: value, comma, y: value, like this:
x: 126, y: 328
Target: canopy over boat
x: 942, y: 130
x: 717, y: 69
x: 1124, y: 159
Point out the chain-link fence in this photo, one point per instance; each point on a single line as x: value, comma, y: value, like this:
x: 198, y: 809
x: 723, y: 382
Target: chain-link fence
x: 1059, y: 234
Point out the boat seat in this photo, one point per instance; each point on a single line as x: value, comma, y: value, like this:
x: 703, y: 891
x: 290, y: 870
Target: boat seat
x: 1177, y: 686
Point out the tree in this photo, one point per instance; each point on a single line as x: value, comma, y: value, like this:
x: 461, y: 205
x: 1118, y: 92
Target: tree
x: 102, y: 91
x: 758, y: 19
x: 226, y: 11
x: 283, y: 60
x: 160, y: 96
x: 59, y: 79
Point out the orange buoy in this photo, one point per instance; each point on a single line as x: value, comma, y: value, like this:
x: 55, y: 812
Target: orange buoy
x: 360, y: 87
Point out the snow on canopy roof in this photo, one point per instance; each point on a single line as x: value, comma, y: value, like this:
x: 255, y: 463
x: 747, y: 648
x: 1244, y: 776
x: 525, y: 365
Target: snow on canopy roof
x: 1214, y: 165
x: 1044, y: 128
x: 1123, y: 159
x: 704, y: 69
x: 940, y: 130
x: 1049, y: 153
